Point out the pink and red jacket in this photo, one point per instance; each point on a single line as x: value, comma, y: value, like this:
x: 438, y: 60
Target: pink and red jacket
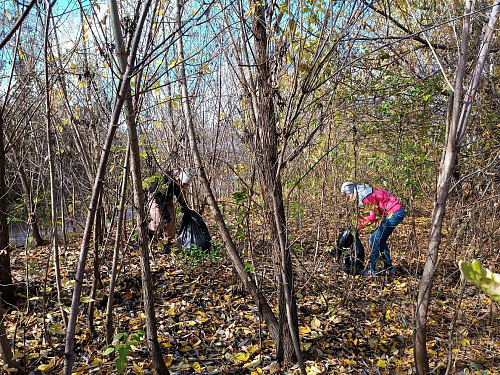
x: 377, y: 202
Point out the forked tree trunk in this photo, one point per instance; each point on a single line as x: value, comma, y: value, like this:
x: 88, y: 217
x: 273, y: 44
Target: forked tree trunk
x: 456, y: 131
x: 123, y: 93
x: 135, y: 172
x: 250, y: 286
x: 267, y: 158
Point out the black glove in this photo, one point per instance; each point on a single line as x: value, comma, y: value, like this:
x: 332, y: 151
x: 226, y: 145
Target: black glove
x: 184, y: 209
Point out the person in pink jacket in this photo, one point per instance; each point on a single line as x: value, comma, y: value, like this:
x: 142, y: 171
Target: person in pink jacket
x: 376, y: 203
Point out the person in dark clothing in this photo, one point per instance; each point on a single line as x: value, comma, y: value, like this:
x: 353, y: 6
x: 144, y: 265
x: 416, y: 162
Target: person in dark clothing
x: 161, y: 196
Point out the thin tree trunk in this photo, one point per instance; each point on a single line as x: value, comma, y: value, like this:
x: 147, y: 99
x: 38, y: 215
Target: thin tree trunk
x: 6, y: 286
x: 135, y: 170
x: 83, y: 152
x: 123, y: 92
x: 31, y: 220
x: 52, y: 170
x: 95, y: 271
x: 5, y: 349
x: 267, y: 159
x: 7, y: 292
x: 147, y: 289
x: 287, y: 279
x: 77, y: 290
x: 147, y: 284
x: 116, y: 252
x: 456, y: 132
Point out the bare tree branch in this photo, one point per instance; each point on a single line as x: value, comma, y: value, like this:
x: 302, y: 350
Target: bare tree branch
x: 17, y: 24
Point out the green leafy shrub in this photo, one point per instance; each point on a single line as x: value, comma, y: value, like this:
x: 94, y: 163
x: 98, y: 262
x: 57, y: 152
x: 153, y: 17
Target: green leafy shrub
x: 123, y: 344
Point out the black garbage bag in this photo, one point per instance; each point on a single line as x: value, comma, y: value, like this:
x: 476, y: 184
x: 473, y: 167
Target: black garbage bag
x: 193, y: 231
x: 350, y: 254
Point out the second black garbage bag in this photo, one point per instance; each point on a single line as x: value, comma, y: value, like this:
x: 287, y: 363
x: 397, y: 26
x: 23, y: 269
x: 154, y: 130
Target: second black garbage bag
x: 193, y: 231
x: 349, y: 252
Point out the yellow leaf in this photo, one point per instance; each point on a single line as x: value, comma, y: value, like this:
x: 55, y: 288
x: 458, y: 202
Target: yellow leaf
x: 168, y: 360
x: 137, y: 369
x: 196, y: 367
x: 172, y: 63
x: 97, y: 361
x: 253, y: 363
x: 17, y: 354
x: 381, y: 363
x: 48, y: 367
x: 20, y: 54
x: 242, y: 356
x: 7, y: 14
x: 313, y: 370
x: 304, y: 330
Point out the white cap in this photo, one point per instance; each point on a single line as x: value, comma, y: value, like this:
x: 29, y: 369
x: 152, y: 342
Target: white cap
x: 347, y: 187
x: 186, y: 175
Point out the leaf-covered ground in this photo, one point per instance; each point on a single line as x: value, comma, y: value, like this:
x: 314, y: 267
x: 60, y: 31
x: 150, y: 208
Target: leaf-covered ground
x: 208, y: 325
